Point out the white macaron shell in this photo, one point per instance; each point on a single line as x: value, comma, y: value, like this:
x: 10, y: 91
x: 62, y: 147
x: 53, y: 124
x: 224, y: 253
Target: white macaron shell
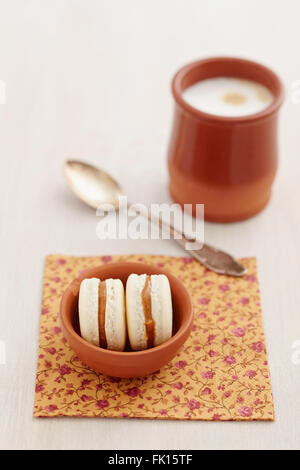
x: 88, y: 310
x: 115, y: 321
x: 161, y: 308
x: 135, y: 311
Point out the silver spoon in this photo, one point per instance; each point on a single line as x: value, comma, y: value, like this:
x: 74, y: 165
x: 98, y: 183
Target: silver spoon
x: 96, y: 187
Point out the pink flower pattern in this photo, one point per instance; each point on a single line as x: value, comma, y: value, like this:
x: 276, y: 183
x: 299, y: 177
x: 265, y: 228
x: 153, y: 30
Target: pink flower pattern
x: 133, y: 392
x: 239, y: 332
x: 221, y: 373
x: 193, y: 404
x: 245, y: 411
x: 230, y: 360
x: 102, y: 404
x: 251, y: 374
x: 258, y: 347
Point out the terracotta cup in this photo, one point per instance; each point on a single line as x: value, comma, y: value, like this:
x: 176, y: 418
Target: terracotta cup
x: 226, y: 163
x: 126, y: 364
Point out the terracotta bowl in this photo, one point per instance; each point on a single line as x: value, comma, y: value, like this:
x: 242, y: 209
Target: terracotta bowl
x: 129, y: 363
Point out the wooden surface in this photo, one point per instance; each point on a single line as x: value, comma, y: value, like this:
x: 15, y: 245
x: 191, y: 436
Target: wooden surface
x: 91, y: 79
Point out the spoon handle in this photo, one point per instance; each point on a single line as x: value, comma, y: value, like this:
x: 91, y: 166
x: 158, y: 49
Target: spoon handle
x: 213, y: 258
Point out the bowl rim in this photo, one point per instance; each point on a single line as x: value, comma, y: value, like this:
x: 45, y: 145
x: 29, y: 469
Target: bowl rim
x: 106, y: 352
x: 176, y: 87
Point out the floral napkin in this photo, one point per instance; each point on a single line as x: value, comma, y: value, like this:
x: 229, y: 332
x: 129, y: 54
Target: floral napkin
x: 221, y: 373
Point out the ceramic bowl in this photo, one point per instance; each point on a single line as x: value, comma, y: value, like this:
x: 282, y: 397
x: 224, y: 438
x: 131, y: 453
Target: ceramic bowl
x: 128, y: 363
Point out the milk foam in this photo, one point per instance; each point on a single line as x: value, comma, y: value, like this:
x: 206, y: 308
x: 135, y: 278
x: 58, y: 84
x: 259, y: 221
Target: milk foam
x: 226, y: 96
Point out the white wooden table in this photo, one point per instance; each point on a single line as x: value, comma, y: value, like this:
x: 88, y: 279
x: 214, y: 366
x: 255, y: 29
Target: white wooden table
x: 90, y: 79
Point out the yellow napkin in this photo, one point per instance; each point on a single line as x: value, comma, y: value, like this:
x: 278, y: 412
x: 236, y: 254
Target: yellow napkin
x: 221, y: 373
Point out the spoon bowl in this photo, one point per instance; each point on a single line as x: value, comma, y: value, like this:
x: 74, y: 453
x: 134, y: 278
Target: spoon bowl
x: 92, y: 185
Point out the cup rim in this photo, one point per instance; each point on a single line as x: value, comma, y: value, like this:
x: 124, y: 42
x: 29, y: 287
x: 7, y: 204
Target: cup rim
x: 177, y: 89
x: 67, y: 325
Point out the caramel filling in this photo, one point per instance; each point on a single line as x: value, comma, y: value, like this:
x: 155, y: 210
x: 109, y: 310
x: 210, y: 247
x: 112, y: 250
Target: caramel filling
x: 149, y: 322
x: 101, y: 314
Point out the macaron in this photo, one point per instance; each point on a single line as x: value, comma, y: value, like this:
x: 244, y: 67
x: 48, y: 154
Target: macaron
x: 148, y: 310
x: 102, y: 313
